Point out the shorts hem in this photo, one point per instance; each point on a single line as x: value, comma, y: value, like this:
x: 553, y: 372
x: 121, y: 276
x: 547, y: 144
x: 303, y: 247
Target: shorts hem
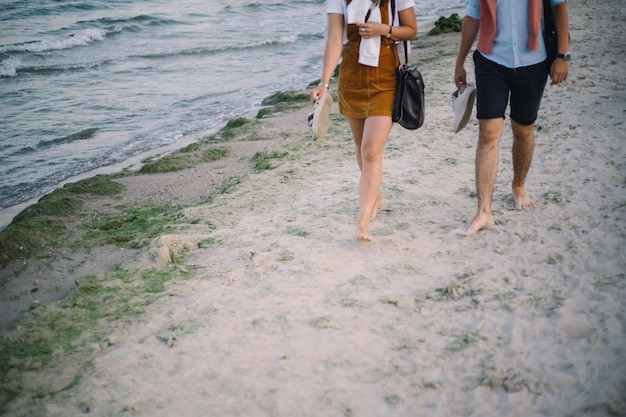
x: 524, y: 123
x: 490, y: 116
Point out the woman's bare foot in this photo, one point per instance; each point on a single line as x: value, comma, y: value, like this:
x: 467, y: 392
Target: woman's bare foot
x: 377, y: 206
x: 479, y: 222
x: 521, y: 200
x: 362, y: 233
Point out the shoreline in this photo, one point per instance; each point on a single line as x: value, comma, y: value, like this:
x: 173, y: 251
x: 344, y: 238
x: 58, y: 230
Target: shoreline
x: 133, y: 163
x: 257, y: 301
x: 8, y: 213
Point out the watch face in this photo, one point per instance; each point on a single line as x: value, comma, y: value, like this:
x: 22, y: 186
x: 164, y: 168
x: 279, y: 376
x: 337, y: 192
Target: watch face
x: 567, y: 56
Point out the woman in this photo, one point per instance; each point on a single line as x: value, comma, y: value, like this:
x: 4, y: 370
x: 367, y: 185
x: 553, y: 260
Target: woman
x: 367, y: 81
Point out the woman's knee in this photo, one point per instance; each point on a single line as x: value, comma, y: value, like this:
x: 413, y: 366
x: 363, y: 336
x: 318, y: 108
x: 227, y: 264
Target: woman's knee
x: 371, y: 152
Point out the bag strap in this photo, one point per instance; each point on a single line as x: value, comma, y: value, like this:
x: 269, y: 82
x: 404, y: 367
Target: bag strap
x: 548, y: 20
x: 393, y: 20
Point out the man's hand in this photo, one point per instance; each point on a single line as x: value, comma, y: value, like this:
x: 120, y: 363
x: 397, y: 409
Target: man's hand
x: 559, y: 71
x: 460, y: 77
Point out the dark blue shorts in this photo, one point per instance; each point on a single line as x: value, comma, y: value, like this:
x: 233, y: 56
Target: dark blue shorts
x: 496, y: 85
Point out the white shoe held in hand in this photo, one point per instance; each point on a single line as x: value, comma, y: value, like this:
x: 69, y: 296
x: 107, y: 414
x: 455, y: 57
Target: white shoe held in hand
x: 462, y: 102
x: 319, y: 118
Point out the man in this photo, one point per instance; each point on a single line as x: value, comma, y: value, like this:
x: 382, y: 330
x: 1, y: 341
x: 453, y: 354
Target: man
x: 510, y: 68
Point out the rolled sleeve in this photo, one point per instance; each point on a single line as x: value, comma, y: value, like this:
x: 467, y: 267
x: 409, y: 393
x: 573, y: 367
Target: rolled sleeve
x: 405, y: 4
x: 472, y: 9
x: 334, y: 6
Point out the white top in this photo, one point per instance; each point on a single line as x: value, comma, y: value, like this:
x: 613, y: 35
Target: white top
x: 355, y: 13
x: 339, y: 6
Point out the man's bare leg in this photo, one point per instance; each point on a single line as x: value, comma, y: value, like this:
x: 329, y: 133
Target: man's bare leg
x: 489, y: 134
x: 523, y: 147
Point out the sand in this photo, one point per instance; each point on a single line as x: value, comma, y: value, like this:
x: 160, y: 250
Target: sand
x: 287, y: 315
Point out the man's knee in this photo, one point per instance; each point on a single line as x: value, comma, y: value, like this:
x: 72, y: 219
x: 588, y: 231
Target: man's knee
x: 490, y: 130
x: 522, y: 131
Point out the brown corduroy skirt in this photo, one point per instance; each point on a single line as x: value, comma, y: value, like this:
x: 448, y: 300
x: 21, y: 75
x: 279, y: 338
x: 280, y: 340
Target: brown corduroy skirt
x: 367, y: 91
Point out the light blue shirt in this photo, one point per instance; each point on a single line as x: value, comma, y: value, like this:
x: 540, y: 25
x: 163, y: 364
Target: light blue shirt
x: 509, y: 48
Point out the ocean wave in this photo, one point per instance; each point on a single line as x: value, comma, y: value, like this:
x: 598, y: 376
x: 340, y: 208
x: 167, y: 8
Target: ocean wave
x: 82, y: 135
x: 81, y: 38
x: 251, y: 44
x: 132, y: 24
x: 9, y: 66
x: 278, y: 4
x: 95, y: 31
x: 21, y: 191
x: 12, y: 62
x: 11, y: 195
x: 17, y: 9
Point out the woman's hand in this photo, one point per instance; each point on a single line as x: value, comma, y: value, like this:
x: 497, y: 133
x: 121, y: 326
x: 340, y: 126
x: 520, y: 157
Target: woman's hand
x: 317, y: 92
x: 370, y: 30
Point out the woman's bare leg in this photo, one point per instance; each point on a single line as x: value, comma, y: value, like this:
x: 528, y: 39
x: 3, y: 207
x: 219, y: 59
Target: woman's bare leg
x: 370, y: 136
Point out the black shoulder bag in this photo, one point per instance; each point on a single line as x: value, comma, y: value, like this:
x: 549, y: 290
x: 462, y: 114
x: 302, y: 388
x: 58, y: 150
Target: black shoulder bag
x: 549, y: 34
x: 408, y: 105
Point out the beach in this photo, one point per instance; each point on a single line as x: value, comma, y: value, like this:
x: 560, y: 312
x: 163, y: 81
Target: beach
x: 87, y: 88
x: 275, y: 310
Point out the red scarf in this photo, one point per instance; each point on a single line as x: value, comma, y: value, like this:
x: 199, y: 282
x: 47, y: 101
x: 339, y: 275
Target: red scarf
x: 487, y: 31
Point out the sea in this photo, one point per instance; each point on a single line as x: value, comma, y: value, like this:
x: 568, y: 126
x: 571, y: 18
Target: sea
x: 87, y: 85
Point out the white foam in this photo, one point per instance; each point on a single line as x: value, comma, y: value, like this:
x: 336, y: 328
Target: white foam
x: 81, y: 38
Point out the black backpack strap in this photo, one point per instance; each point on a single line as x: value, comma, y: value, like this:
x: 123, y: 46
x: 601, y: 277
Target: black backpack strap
x: 548, y: 20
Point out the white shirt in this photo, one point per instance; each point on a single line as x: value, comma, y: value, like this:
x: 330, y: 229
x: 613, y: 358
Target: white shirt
x: 339, y: 6
x: 369, y: 50
x: 509, y: 48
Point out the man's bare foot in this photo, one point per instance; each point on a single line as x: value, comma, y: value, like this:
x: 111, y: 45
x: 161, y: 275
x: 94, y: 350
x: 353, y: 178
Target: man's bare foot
x: 377, y: 206
x: 521, y: 200
x: 479, y: 222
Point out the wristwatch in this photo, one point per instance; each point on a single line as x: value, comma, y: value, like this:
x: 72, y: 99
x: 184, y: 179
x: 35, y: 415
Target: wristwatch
x: 566, y: 56
x: 388, y: 36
